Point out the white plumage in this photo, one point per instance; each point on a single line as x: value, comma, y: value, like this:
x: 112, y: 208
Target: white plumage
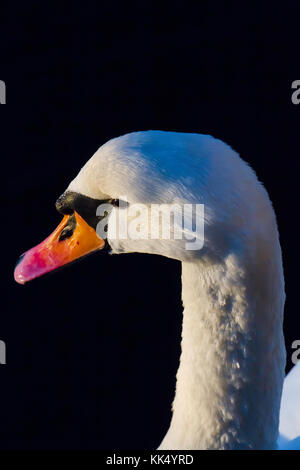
x: 231, y: 372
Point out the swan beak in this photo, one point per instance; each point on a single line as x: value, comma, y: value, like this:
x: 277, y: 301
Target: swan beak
x: 72, y: 239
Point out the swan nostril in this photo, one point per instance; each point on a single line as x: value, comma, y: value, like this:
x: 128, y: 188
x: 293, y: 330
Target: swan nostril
x: 68, y: 230
x: 20, y: 259
x: 66, y: 233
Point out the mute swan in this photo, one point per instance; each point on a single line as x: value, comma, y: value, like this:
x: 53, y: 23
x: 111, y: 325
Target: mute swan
x: 231, y: 373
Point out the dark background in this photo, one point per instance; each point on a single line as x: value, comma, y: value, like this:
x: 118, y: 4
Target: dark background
x: 93, y: 349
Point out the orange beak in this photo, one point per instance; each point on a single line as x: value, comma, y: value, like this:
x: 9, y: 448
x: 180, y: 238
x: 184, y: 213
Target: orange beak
x: 72, y: 239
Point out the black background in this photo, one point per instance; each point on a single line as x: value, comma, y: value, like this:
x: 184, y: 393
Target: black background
x: 93, y: 349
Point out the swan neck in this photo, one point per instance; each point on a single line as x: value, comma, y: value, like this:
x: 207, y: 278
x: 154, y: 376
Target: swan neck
x: 231, y: 369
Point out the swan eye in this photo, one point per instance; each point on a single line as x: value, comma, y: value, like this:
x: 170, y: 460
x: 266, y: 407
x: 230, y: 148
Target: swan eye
x: 115, y: 202
x: 118, y: 203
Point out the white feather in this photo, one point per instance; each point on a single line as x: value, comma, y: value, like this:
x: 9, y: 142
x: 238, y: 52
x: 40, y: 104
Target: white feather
x: 231, y: 371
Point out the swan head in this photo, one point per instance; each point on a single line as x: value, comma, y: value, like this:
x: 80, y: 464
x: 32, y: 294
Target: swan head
x: 183, y: 196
